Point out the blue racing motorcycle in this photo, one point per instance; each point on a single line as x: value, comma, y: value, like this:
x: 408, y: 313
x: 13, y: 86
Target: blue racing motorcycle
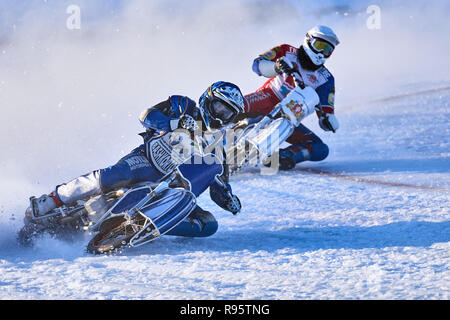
x: 138, y: 214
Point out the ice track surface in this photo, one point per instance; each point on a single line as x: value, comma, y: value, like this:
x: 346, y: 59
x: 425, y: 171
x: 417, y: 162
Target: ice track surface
x: 345, y: 228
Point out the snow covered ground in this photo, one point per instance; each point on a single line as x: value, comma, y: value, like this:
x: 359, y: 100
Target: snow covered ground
x: 372, y: 221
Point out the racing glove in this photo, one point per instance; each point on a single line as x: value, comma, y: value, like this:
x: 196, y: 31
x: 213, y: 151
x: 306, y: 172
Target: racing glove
x: 328, y: 122
x: 283, y: 65
x: 186, y: 122
x: 224, y: 197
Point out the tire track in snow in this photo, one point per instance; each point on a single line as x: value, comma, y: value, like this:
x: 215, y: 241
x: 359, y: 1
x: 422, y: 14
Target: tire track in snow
x: 379, y: 182
x: 411, y: 94
x: 347, y: 108
x: 370, y: 181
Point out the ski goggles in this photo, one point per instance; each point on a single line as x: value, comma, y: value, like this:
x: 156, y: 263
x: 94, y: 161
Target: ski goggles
x: 221, y: 111
x: 321, y: 46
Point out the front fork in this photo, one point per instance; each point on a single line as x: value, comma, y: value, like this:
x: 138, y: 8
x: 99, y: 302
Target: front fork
x: 262, y: 141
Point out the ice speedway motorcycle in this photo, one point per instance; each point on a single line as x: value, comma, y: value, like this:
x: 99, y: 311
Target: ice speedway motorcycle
x: 141, y: 213
x: 259, y: 141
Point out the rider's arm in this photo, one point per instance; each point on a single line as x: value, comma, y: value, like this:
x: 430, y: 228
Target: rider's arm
x: 264, y: 64
x: 326, y: 96
x: 263, y: 67
x: 155, y: 117
x: 221, y: 193
x: 164, y: 116
x: 327, y: 119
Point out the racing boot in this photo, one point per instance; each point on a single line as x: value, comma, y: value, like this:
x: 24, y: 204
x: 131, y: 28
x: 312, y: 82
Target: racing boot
x: 33, y: 225
x: 290, y: 156
x: 80, y: 188
x: 286, y: 159
x: 43, y: 205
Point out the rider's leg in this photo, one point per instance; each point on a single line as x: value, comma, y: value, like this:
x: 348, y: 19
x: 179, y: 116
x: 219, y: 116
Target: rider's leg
x: 200, y: 173
x: 132, y: 168
x: 199, y: 223
x: 306, y: 146
x: 76, y: 189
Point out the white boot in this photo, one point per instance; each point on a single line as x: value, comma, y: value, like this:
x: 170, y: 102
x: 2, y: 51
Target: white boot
x: 82, y: 187
x: 44, y: 204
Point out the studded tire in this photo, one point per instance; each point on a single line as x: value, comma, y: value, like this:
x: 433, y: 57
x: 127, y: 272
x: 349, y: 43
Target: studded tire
x: 114, y: 236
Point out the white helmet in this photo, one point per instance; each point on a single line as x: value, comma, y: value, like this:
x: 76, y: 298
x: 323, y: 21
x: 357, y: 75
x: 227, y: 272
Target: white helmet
x: 319, y: 44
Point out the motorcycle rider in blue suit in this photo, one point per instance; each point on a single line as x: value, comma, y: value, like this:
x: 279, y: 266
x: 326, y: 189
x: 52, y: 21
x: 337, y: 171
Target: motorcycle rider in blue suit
x: 217, y: 107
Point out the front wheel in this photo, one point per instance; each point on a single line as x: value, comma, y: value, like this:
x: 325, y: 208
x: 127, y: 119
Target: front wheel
x: 115, y: 235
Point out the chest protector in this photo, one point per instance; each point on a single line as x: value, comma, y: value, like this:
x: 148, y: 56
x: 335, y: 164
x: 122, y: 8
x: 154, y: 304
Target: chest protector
x: 167, y: 151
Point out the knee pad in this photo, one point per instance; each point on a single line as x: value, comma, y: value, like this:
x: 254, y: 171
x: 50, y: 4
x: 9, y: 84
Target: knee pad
x: 209, y: 229
x: 199, y: 224
x: 306, y: 152
x: 319, y: 151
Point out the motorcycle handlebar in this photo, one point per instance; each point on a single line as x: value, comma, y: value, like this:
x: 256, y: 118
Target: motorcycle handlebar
x: 298, y: 80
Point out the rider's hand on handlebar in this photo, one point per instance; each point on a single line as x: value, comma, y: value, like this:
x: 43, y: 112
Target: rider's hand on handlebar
x: 188, y: 123
x: 328, y: 122
x: 283, y: 65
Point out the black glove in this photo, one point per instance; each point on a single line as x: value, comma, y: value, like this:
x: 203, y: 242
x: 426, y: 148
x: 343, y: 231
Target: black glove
x: 282, y: 65
x: 233, y: 204
x: 224, y: 198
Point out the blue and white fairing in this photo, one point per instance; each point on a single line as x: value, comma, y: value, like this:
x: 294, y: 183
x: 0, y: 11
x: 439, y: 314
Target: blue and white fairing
x: 164, y: 208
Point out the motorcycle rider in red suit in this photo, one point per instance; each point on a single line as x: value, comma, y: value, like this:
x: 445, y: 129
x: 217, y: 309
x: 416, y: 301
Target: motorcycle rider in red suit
x: 308, y: 60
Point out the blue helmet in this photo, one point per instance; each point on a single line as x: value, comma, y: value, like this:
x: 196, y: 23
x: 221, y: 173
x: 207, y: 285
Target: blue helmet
x: 220, y: 104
